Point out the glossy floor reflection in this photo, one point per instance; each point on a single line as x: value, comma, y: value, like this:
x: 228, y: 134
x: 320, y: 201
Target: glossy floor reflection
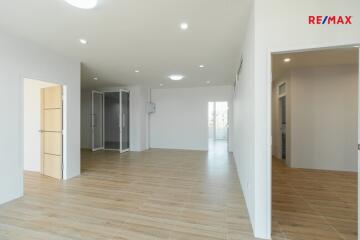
x: 314, y: 204
x: 157, y: 194
x: 218, y: 148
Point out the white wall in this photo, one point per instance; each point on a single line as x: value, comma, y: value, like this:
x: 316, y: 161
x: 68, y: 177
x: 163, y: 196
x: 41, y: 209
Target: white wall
x: 181, y: 117
x: 18, y: 60
x: 324, y: 118
x: 280, y: 25
x: 139, y: 119
x: 321, y: 117
x: 244, y: 134
x: 32, y: 124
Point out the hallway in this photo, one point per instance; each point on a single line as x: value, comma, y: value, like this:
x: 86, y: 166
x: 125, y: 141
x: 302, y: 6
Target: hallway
x: 156, y: 194
x: 313, y: 204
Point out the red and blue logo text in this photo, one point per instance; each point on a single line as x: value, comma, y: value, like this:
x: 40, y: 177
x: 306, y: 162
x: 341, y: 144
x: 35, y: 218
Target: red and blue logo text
x: 330, y: 20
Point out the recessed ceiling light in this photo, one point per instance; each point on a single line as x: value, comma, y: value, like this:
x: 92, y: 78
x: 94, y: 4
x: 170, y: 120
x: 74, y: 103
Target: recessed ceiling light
x: 96, y: 78
x: 208, y: 82
x: 137, y: 71
x: 84, y: 4
x: 176, y: 77
x: 161, y: 84
x: 184, y: 26
x: 83, y: 41
x: 201, y: 66
x: 287, y: 60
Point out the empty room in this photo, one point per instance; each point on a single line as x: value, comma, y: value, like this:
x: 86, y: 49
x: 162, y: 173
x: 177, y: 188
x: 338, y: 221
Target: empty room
x: 315, y: 123
x: 179, y: 119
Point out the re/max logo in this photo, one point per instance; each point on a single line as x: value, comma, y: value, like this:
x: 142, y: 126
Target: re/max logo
x: 338, y: 20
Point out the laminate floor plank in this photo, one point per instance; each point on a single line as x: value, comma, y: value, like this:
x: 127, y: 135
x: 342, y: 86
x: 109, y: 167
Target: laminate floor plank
x: 313, y: 204
x: 156, y: 194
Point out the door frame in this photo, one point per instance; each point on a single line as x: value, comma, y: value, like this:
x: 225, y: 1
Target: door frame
x: 279, y: 97
x: 64, y: 122
x: 121, y: 120
x: 269, y: 110
x: 92, y: 121
x: 280, y: 114
x: 358, y: 145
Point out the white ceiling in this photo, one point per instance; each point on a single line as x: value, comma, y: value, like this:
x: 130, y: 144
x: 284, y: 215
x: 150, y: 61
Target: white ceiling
x: 314, y: 58
x: 125, y: 35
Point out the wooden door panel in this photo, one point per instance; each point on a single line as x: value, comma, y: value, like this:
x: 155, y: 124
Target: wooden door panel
x: 53, y: 143
x: 51, y: 124
x: 52, y: 166
x: 52, y: 97
x: 52, y: 120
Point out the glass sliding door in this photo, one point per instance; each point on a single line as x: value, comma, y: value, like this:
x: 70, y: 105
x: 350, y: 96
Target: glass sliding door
x: 97, y: 120
x: 218, y: 120
x: 221, y: 121
x: 125, y: 121
x: 112, y: 120
x: 218, y: 127
x: 211, y: 120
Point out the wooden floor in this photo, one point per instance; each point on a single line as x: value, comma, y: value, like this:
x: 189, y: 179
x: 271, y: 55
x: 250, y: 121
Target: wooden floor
x: 313, y: 204
x: 158, y: 194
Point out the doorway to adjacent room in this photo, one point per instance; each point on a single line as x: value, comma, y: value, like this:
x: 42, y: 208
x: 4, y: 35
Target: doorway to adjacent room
x: 43, y: 128
x: 218, y: 126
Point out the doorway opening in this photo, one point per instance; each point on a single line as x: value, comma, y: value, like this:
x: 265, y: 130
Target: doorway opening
x: 218, y: 127
x: 110, y: 121
x: 44, y: 121
x: 315, y: 143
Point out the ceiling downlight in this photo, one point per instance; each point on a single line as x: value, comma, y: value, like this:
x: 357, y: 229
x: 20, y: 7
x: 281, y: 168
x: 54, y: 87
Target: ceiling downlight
x: 83, y: 4
x: 176, y: 77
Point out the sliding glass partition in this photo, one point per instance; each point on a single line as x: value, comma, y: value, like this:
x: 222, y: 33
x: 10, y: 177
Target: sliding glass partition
x: 97, y: 120
x: 112, y: 120
x: 125, y: 126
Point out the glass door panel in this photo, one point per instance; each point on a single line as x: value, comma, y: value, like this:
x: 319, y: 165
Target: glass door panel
x: 112, y: 120
x: 125, y: 121
x: 97, y: 120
